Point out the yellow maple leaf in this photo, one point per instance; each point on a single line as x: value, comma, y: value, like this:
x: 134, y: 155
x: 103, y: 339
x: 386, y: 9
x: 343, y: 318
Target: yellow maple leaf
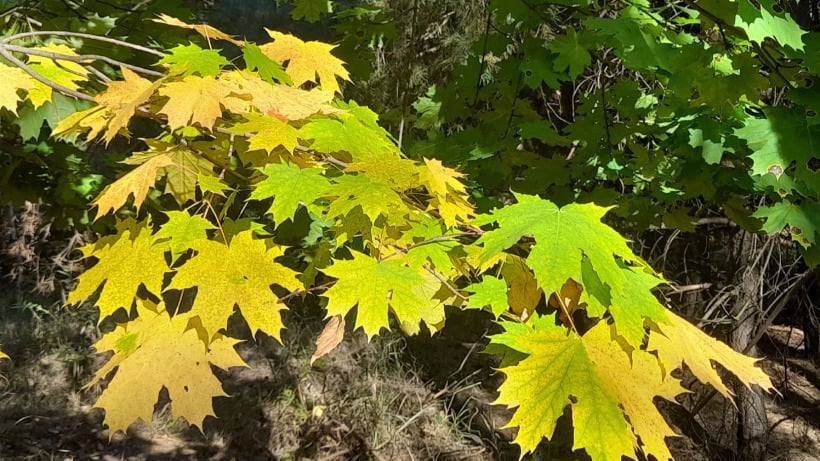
x: 125, y: 262
x: 65, y: 73
x: 14, y: 79
x: 123, y: 98
x: 94, y: 120
x: 202, y: 29
x: 678, y: 341
x: 136, y: 182
x: 306, y: 60
x: 155, y: 351
x: 193, y: 100
x: 449, y: 193
x: 249, y: 91
x: 237, y: 274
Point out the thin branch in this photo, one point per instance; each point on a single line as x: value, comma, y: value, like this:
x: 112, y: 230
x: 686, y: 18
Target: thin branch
x: 101, y: 38
x: 81, y: 59
x: 35, y: 75
x: 445, y: 282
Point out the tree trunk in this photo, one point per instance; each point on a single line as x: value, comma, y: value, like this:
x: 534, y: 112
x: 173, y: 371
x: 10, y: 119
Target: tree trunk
x: 753, y: 426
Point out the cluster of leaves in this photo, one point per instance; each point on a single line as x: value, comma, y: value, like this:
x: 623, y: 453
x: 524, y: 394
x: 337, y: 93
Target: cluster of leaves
x: 261, y: 185
x: 673, y: 111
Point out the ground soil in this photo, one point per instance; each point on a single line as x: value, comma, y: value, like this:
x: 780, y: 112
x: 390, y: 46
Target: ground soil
x: 396, y: 398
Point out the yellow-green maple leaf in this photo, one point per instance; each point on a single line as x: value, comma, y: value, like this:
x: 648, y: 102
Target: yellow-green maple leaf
x: 377, y: 287
x: 678, y: 341
x: 193, y: 100
x: 182, y: 231
x: 349, y: 134
x: 306, y: 60
x: 289, y: 186
x: 122, y: 98
x: 136, y: 182
x: 14, y: 79
x: 597, y: 378
x: 270, y: 133
x: 155, y: 351
x: 375, y: 198
x: 130, y: 261
x: 181, y: 174
x: 66, y: 73
x: 237, y: 274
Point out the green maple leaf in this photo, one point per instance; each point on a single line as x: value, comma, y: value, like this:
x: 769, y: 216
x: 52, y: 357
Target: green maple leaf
x: 351, y: 135
x: 212, y: 184
x: 572, y: 54
x: 491, y: 292
x: 760, y: 24
x: 289, y: 186
x: 155, y: 351
x: 803, y: 220
x: 266, y: 67
x: 780, y: 139
x: 181, y: 232
x: 566, y: 240
x: 596, y: 378
x: 428, y: 243
x: 377, y: 287
x: 191, y: 59
x: 237, y: 274
x: 131, y: 260
x: 310, y: 10
x: 375, y: 198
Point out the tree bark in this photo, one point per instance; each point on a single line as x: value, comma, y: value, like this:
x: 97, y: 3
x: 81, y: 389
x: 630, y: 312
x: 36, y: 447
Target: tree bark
x: 753, y: 425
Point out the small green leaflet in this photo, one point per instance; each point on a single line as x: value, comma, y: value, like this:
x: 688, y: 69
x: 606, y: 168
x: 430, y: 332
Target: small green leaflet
x: 266, y: 67
x: 310, y: 10
x: 491, y: 292
x: 289, y: 186
x: 191, y: 59
x: 803, y: 220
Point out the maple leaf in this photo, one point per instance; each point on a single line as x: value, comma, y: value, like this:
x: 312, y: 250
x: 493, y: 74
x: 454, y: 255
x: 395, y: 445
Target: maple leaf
x: 489, y: 292
x: 66, y: 73
x: 122, y: 98
x: 122, y: 267
x: 427, y: 242
x: 191, y: 59
x: 374, y: 197
x: 193, y: 100
x: 212, y: 184
x: 400, y: 173
x: 181, y: 174
x: 596, y: 377
x: 250, y: 91
x: 289, y: 186
x: 678, y: 341
x: 349, y: 134
x: 803, y: 220
x: 182, y: 231
x: 331, y: 336
x: 155, y: 351
x: 95, y: 119
x: 14, y: 79
x: 204, y: 30
x: 310, y: 10
x: 450, y: 194
x: 572, y: 54
x: 237, y: 274
x: 268, y: 69
x: 306, y: 60
x: 270, y: 133
x: 379, y: 286
x: 136, y: 182
x: 564, y: 239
